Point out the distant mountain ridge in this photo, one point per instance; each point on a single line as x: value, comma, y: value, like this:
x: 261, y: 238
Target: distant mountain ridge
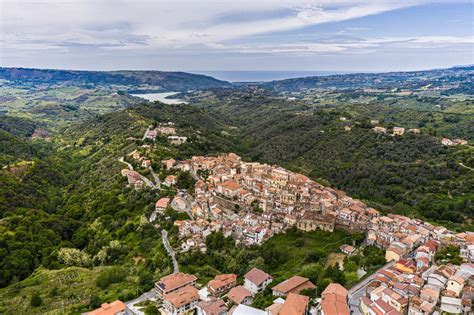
x: 169, y: 81
x: 184, y: 81
x: 402, y: 79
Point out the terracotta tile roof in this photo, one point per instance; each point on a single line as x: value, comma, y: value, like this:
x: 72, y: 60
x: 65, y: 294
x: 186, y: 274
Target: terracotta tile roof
x: 222, y: 281
x: 182, y: 296
x: 230, y: 184
x: 357, y: 208
x: 174, y: 281
x: 295, y: 282
x: 257, y: 276
x: 274, y: 309
x: 458, y: 279
x: 213, y: 306
x: 347, y: 248
x: 238, y: 294
x: 334, y: 300
x: 162, y: 203
x: 109, y: 309
x: 335, y: 288
x: 295, y: 304
x: 385, y: 307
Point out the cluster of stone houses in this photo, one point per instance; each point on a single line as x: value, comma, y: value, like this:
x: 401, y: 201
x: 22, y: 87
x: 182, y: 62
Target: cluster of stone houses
x: 397, y: 131
x: 226, y: 200
x: 167, y: 129
x: 414, y: 285
x: 134, y: 178
x: 402, y: 236
x: 284, y: 199
x: 223, y: 295
x: 404, y: 288
x: 163, y: 128
x: 451, y: 143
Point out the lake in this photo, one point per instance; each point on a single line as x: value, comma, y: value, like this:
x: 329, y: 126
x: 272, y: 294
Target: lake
x: 161, y: 97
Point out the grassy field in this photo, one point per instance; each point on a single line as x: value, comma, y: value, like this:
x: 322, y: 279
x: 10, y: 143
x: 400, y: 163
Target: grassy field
x: 335, y: 258
x: 295, y: 247
x: 68, y: 288
x: 56, y: 105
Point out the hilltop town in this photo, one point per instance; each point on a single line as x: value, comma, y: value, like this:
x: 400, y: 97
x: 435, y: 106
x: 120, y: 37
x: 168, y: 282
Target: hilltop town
x: 429, y: 269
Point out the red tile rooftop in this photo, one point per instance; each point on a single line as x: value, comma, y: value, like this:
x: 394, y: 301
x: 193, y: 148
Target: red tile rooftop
x: 109, y: 309
x: 257, y: 276
x: 295, y: 304
x: 238, y: 294
x: 182, y: 296
x: 173, y: 281
x: 295, y: 282
x: 162, y: 203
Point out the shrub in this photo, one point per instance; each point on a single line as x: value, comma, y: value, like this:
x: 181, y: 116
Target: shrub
x: 110, y: 276
x: 36, y: 300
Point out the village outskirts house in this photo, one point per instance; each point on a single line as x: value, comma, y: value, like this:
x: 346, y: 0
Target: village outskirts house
x: 181, y: 301
x: 170, y: 180
x: 334, y: 300
x: 398, y: 131
x: 295, y: 284
x: 348, y: 249
x: 211, y: 307
x: 174, y: 282
x: 295, y: 304
x: 114, y: 308
x: 256, y: 280
x: 222, y: 284
x: 162, y: 204
x: 240, y: 295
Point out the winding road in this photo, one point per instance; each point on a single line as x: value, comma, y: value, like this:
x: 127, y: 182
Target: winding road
x: 164, y: 236
x: 151, y: 295
x: 142, y: 298
x: 148, y: 182
x: 469, y: 168
x: 155, y: 177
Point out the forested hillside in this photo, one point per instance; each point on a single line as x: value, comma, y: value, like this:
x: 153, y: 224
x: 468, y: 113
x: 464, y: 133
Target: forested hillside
x: 405, y: 80
x: 170, y: 81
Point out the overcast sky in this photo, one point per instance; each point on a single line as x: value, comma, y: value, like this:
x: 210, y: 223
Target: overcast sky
x: 320, y: 35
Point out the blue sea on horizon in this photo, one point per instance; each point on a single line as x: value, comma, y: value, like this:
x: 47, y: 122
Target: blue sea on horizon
x: 263, y: 76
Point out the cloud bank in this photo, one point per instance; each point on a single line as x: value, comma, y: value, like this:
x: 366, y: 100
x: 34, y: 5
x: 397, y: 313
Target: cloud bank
x: 145, y: 27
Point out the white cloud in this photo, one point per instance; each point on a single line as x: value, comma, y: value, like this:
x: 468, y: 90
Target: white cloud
x: 150, y: 32
x: 356, y: 46
x: 169, y: 23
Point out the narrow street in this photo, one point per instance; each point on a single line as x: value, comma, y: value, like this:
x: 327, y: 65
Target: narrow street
x: 130, y: 167
x: 188, y: 208
x: 164, y: 235
x: 144, y: 135
x: 150, y: 295
x: 357, y: 291
x: 156, y: 178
